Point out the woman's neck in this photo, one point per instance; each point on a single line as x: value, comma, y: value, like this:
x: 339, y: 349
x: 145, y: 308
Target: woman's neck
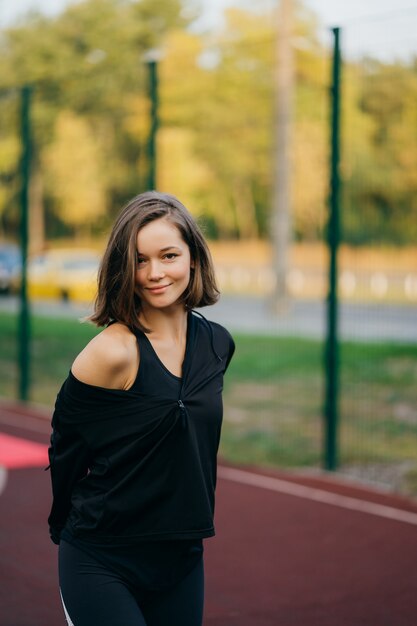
x: 166, y: 324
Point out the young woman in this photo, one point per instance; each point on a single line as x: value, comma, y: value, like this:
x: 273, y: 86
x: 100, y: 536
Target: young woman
x: 136, y: 429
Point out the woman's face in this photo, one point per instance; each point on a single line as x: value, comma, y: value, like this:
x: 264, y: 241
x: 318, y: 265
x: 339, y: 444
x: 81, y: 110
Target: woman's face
x: 163, y: 265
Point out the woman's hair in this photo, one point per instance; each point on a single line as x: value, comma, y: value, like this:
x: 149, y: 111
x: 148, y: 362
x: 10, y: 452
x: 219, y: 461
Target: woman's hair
x: 117, y: 299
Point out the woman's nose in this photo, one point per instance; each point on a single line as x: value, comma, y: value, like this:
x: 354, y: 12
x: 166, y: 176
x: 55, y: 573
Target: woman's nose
x: 156, y: 270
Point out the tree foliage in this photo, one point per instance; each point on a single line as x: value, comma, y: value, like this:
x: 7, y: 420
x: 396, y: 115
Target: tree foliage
x: 215, y: 142
x: 89, y: 61
x: 74, y: 173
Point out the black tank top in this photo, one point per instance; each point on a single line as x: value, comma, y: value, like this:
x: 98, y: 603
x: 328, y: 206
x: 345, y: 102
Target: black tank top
x: 150, y: 565
x: 151, y: 541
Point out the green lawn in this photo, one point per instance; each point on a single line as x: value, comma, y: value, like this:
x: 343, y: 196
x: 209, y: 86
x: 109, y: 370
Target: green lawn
x: 274, y: 400
x: 273, y: 394
x: 55, y: 343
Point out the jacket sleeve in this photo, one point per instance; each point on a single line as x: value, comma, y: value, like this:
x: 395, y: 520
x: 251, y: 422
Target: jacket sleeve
x: 231, y: 352
x: 68, y: 458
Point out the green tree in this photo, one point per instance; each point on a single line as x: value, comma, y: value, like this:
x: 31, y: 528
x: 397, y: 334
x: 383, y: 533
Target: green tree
x: 90, y: 60
x: 215, y: 139
x: 221, y: 91
x: 74, y: 173
x: 381, y: 147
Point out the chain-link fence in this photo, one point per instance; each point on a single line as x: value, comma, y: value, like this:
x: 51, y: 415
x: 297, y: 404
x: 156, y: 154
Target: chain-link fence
x: 378, y: 278
x: 214, y: 107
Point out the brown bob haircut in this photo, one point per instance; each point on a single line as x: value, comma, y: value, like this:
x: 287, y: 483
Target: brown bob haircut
x: 117, y: 299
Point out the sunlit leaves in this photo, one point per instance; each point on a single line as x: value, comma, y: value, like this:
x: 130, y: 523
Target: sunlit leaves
x: 74, y: 173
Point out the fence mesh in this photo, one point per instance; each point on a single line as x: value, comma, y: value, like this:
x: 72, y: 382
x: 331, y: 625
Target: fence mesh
x: 215, y: 149
x: 10, y: 154
x: 378, y: 434
x: 9, y: 160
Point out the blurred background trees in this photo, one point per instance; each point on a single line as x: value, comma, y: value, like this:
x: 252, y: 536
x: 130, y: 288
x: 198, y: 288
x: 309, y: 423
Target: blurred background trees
x: 91, y: 117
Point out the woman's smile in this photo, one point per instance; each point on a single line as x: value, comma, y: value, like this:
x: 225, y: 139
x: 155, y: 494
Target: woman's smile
x: 159, y: 289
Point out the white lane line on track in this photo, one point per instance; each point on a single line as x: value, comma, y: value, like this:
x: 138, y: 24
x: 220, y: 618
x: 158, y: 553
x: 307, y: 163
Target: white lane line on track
x: 256, y: 480
x: 3, y: 478
x: 34, y: 424
x: 317, y: 495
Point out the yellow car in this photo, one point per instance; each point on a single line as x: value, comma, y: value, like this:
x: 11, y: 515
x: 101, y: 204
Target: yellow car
x: 66, y: 274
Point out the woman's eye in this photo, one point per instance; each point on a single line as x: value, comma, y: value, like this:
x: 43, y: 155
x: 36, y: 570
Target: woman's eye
x: 171, y: 255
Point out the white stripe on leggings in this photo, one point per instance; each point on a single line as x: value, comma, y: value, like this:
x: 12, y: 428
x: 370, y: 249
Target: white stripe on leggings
x: 65, y: 610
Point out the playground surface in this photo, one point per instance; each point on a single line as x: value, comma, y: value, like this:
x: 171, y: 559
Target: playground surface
x: 292, y: 549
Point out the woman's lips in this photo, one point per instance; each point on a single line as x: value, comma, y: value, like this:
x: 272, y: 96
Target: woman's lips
x: 159, y: 289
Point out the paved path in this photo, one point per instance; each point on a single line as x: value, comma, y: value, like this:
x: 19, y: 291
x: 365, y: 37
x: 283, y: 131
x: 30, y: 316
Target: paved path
x: 290, y: 550
x: 306, y: 318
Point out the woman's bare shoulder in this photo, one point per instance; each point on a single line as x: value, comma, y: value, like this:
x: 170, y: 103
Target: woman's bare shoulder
x: 110, y: 359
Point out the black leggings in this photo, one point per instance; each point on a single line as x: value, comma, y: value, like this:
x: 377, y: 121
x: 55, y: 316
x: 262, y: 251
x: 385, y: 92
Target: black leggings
x: 93, y: 594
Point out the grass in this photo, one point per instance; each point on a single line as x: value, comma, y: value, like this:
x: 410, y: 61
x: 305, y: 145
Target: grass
x: 55, y: 343
x: 273, y: 395
x: 274, y: 406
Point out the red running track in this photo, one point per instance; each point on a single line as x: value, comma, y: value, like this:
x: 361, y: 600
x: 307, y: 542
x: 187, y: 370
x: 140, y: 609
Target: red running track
x: 282, y: 556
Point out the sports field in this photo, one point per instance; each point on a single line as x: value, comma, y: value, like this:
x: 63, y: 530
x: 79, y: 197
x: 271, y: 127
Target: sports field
x: 290, y: 550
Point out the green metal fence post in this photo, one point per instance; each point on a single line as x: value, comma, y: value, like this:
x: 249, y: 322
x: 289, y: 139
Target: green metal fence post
x: 24, y: 317
x: 154, y: 122
x: 333, y: 234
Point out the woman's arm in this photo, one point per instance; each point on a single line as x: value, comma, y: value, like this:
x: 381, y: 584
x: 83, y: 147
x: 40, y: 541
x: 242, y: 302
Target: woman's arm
x: 110, y: 360
x: 68, y: 459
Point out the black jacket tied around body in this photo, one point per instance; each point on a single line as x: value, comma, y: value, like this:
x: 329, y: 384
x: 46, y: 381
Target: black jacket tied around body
x: 140, y: 464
